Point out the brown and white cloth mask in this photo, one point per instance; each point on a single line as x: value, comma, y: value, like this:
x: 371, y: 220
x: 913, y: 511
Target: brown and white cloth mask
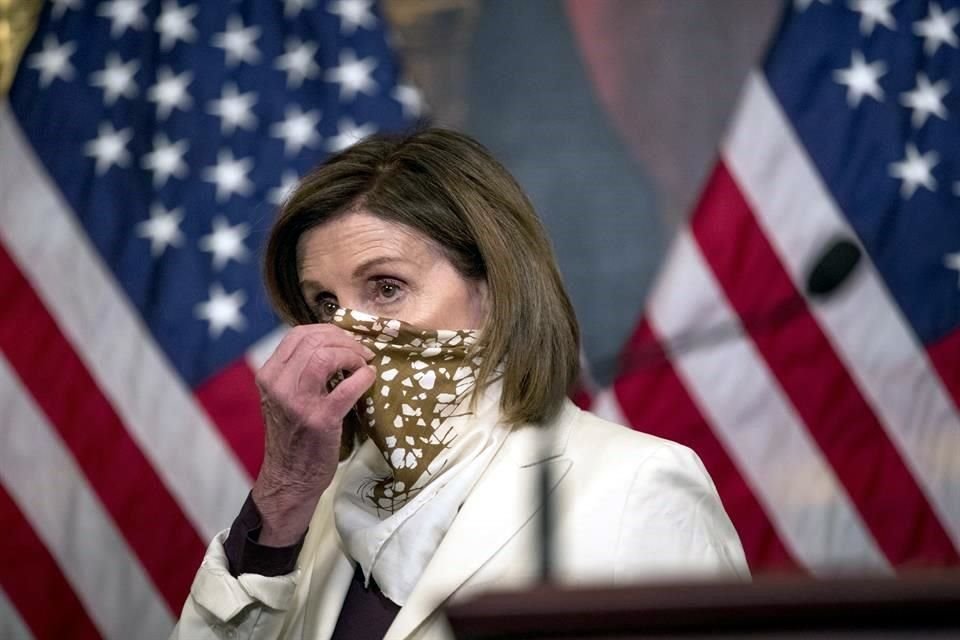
x: 425, y: 448
x: 423, y: 377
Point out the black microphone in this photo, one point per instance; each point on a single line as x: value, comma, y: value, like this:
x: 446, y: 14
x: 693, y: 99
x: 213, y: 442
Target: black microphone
x: 835, y: 264
x: 832, y: 268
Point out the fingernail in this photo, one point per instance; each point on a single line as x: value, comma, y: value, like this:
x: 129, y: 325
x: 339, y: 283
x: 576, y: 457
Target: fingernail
x: 369, y: 352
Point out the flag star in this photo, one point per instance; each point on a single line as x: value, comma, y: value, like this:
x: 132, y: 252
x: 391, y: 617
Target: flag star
x: 926, y: 99
x: 348, y: 133
x: 116, y: 78
x: 229, y: 175
x: 109, y: 147
x: 225, y: 242
x: 952, y: 261
x: 162, y: 229
x: 353, y: 14
x: 410, y: 99
x: 174, y: 23
x: 60, y: 7
x: 170, y: 92
x: 53, y: 61
x: 298, y: 129
x: 238, y: 43
x: 353, y: 75
x: 234, y: 109
x: 937, y: 28
x: 873, y: 12
x: 298, y: 62
x: 803, y: 5
x: 166, y: 159
x: 861, y: 79
x: 279, y: 194
x: 222, y: 310
x: 123, y: 15
x: 292, y: 8
x: 915, y: 170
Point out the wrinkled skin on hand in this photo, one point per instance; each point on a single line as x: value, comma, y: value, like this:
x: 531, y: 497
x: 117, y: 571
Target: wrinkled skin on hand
x: 303, y: 418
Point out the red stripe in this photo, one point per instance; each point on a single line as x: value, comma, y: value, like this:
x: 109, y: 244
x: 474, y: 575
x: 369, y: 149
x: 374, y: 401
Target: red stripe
x: 818, y: 384
x: 945, y: 355
x: 33, y: 582
x: 231, y: 400
x: 148, y: 517
x: 581, y: 397
x: 654, y: 400
x: 583, y: 390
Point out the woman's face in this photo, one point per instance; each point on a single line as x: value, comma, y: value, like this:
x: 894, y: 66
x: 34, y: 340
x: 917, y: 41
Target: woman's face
x: 363, y: 262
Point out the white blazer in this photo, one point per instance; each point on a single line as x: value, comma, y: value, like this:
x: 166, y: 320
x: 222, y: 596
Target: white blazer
x: 628, y: 507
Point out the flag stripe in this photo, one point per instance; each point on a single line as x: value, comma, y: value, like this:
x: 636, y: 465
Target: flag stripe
x: 893, y: 373
x: 137, y: 180
x: 42, y: 478
x: 816, y: 382
x: 197, y: 467
x: 945, y: 356
x: 32, y: 581
x: 734, y: 389
x: 231, y: 400
x: 96, y: 437
x: 655, y: 401
x: 12, y: 627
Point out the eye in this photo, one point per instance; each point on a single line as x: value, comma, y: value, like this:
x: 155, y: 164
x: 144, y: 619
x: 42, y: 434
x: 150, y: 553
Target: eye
x: 325, y: 309
x: 386, y: 290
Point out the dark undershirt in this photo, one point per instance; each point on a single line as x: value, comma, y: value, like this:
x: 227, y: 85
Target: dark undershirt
x: 246, y: 555
x: 366, y: 612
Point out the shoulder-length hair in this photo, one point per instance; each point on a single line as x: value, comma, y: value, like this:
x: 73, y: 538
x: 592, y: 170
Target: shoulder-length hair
x: 449, y: 188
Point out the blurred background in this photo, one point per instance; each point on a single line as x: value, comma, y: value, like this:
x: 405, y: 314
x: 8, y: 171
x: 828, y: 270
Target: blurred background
x: 608, y: 113
x: 694, y: 162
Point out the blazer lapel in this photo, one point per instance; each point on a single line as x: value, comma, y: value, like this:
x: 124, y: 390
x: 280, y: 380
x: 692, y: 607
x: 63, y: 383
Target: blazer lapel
x: 331, y: 571
x: 330, y: 597
x: 504, y: 499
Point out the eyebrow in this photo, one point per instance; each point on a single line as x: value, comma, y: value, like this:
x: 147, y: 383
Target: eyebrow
x: 365, y: 267
x: 362, y: 269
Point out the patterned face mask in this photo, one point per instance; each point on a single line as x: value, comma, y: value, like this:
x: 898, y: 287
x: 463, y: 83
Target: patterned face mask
x: 411, y: 411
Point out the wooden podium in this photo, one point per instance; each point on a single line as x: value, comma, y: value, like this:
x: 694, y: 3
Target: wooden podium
x: 918, y: 606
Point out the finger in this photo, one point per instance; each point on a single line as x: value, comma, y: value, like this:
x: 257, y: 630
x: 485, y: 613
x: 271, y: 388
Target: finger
x: 324, y: 365
x: 303, y: 340
x: 348, y: 392
x: 289, y: 343
x: 302, y: 388
x: 283, y: 378
x: 316, y: 336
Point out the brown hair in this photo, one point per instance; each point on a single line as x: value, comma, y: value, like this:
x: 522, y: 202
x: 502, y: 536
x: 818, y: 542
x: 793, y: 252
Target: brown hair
x: 448, y: 187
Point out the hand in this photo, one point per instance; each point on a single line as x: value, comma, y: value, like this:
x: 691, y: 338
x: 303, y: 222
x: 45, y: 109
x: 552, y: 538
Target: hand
x: 304, y: 420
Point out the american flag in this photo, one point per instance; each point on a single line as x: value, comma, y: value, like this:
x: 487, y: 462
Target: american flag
x: 833, y: 434
x: 143, y: 152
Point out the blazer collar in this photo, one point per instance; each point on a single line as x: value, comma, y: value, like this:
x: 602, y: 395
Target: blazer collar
x: 504, y: 499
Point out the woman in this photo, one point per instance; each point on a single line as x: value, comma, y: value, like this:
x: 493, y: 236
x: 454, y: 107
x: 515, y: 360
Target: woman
x: 433, y: 346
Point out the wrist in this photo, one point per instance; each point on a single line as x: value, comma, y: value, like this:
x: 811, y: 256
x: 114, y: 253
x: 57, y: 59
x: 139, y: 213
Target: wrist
x: 285, y: 513
x: 283, y: 526
x: 286, y: 534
